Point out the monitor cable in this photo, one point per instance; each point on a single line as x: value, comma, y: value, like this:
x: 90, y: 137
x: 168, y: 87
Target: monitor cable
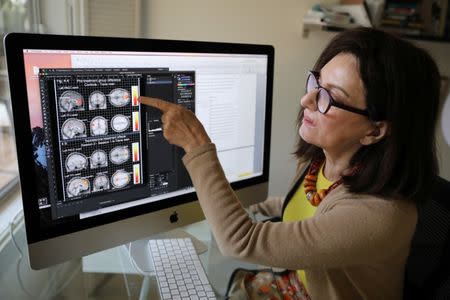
x: 19, y: 261
x: 45, y: 294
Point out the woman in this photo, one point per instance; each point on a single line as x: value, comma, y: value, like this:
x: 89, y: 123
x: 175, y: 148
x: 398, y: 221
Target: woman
x: 366, y: 156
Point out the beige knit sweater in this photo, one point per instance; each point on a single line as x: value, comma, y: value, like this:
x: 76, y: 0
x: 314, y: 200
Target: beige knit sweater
x: 355, y: 247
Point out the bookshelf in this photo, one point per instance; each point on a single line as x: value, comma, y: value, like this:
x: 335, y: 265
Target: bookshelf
x: 410, y: 19
x: 428, y: 38
x: 423, y: 20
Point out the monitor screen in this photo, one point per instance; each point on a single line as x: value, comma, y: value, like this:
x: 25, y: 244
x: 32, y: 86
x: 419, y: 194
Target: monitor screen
x: 98, y: 156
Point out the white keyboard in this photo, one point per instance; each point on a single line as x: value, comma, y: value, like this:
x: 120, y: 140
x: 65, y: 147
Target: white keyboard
x: 179, y: 272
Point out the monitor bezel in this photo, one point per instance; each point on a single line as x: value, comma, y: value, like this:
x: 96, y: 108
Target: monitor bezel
x: 15, y: 43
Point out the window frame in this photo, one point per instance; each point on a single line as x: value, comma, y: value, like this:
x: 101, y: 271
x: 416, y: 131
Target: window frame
x: 14, y: 182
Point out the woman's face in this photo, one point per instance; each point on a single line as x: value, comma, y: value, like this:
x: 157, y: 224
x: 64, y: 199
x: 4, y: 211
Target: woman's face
x: 337, y: 130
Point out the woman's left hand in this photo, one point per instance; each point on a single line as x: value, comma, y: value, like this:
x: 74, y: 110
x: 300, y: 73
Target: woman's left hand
x: 180, y: 126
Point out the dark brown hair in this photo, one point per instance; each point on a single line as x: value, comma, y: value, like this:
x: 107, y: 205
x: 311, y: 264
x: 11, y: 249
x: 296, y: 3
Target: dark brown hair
x: 402, y: 84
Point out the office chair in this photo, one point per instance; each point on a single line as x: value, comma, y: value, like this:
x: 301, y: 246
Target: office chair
x: 427, y: 271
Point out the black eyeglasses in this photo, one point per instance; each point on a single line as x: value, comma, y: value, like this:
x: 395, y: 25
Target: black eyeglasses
x: 324, y: 100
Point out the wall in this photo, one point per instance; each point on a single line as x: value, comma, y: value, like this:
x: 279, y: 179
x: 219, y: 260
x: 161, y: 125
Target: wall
x: 265, y: 22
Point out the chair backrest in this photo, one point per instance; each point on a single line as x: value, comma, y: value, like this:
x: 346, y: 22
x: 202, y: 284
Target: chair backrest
x: 427, y: 272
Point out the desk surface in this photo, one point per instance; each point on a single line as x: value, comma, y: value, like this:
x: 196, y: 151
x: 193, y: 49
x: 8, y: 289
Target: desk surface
x: 121, y: 272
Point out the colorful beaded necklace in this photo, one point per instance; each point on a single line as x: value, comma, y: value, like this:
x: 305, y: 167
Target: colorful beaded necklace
x: 309, y: 183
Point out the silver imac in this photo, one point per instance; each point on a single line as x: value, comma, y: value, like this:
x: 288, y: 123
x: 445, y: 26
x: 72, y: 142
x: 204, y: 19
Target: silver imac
x: 94, y: 167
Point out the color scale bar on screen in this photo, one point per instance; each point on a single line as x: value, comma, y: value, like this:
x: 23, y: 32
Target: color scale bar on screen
x: 136, y: 174
x: 135, y: 95
x: 135, y: 148
x: 136, y: 126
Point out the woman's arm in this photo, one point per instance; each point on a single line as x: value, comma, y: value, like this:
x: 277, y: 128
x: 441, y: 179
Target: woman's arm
x: 352, y: 232
x: 370, y: 231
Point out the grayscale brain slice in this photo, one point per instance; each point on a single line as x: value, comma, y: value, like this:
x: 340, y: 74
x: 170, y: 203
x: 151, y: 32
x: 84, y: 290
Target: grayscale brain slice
x: 78, y: 186
x: 97, y: 100
x: 99, y: 126
x: 119, y: 97
x: 71, y: 101
x: 99, y: 159
x: 120, y: 179
x: 119, y: 155
x: 101, y: 182
x: 73, y: 128
x: 120, y: 123
x: 76, y: 161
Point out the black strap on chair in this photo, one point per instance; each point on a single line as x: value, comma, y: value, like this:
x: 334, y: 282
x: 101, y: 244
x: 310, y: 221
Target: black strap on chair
x: 427, y: 272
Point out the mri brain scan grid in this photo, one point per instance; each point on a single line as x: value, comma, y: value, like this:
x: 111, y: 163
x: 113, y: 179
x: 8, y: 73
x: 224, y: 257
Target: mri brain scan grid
x: 97, y: 141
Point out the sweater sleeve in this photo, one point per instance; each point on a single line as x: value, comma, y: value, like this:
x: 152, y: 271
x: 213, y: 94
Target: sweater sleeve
x: 347, y: 234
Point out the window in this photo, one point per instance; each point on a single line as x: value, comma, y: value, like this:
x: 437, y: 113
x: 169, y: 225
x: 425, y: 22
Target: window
x: 18, y: 16
x: 85, y: 17
x: 8, y: 160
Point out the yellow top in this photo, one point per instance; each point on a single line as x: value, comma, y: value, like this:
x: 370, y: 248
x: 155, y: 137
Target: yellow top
x: 299, y: 208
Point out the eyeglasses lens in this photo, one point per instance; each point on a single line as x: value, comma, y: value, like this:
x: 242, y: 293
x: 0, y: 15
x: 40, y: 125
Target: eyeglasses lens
x: 323, y: 100
x: 311, y: 83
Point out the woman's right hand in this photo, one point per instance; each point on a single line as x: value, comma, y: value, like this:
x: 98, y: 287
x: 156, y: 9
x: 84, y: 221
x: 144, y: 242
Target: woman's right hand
x: 180, y: 126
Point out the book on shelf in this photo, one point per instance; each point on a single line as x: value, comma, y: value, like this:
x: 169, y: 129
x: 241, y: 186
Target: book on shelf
x: 428, y: 18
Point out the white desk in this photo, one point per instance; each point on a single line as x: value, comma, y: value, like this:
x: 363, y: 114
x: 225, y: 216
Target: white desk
x: 118, y: 260
x: 108, y: 274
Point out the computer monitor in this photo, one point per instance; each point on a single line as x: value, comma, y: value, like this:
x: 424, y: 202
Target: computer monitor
x: 95, y: 169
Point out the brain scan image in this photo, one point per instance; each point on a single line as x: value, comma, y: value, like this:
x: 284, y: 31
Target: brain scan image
x: 76, y: 161
x: 71, y: 101
x: 78, y: 186
x: 120, y: 179
x: 73, y: 128
x: 119, y: 97
x: 119, y: 155
x: 101, y: 182
x: 99, y: 126
x: 120, y: 123
x: 99, y: 159
x: 97, y: 100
